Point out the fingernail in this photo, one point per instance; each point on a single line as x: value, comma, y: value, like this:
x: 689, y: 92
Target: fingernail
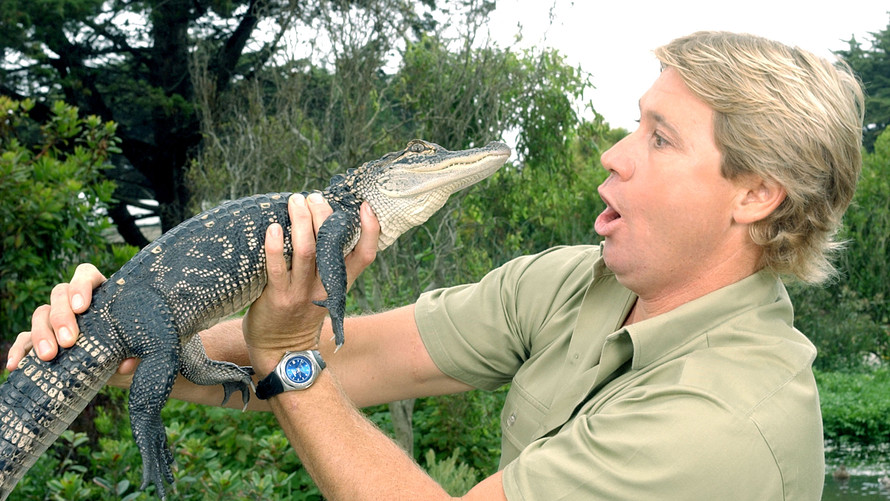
x: 65, y: 336
x: 43, y: 348
x: 77, y: 302
x: 298, y: 199
x: 275, y: 230
x: 316, y: 198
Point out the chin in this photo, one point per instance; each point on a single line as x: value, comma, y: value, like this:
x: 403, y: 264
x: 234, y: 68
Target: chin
x: 620, y: 263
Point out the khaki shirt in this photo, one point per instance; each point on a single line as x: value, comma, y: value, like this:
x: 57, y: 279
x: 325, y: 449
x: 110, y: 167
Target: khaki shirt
x: 713, y: 400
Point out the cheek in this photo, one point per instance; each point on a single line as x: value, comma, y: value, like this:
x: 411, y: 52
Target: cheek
x: 679, y: 215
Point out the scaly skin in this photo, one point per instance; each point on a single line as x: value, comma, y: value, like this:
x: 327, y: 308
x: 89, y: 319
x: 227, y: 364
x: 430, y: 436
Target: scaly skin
x: 208, y: 267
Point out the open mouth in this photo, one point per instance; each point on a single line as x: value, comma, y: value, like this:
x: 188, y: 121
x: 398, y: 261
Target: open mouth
x: 606, y: 221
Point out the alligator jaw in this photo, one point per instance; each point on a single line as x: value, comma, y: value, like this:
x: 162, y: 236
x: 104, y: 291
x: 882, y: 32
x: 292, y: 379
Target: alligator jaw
x: 416, y: 182
x: 437, y: 169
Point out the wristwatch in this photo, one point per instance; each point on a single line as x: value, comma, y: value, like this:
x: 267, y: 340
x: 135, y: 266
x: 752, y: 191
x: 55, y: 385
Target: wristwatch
x: 297, y: 370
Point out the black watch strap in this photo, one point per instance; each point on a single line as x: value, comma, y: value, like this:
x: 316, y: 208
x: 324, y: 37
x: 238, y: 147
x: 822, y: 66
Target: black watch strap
x: 269, y: 386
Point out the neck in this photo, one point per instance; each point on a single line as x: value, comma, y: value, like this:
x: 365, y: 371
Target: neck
x: 658, y: 300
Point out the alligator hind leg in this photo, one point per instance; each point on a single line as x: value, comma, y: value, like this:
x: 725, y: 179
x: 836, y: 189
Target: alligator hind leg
x: 197, y: 368
x: 151, y: 387
x: 152, y: 337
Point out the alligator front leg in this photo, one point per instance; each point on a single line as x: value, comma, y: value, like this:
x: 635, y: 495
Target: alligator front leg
x: 197, y: 368
x: 336, y: 236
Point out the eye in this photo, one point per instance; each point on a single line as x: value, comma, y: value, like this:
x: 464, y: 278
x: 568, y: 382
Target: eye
x: 417, y: 147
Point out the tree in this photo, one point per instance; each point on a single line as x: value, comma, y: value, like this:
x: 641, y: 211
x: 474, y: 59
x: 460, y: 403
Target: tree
x: 872, y: 64
x: 128, y: 61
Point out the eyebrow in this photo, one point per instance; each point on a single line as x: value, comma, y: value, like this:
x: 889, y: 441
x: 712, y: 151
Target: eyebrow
x: 660, y: 119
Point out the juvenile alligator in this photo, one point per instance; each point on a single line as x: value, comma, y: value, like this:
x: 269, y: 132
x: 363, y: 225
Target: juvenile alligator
x: 208, y: 267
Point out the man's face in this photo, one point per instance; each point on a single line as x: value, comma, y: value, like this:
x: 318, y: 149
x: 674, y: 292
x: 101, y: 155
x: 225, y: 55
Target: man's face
x: 668, y: 221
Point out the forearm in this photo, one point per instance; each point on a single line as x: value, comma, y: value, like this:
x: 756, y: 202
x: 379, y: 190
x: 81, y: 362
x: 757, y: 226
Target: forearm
x: 382, y: 360
x: 346, y: 455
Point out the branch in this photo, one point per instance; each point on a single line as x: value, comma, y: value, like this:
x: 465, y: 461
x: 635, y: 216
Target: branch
x: 269, y: 49
x: 119, y: 41
x: 230, y: 53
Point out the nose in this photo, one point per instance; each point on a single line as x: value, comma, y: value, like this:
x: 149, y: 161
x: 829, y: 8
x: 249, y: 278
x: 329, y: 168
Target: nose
x: 618, y: 159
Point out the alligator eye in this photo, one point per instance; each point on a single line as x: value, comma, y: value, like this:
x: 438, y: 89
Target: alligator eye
x: 417, y: 147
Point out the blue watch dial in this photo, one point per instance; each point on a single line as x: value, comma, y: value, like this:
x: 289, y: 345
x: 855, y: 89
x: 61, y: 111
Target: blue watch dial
x: 298, y: 369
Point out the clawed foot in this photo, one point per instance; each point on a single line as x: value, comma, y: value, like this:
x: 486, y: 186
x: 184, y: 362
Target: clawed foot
x: 243, y: 385
x: 157, y: 460
x: 336, y: 305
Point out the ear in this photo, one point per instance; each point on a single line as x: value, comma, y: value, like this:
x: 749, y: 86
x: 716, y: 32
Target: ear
x: 758, y: 198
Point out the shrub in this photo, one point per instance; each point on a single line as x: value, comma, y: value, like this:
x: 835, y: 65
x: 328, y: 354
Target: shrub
x: 855, y: 406
x: 52, y: 204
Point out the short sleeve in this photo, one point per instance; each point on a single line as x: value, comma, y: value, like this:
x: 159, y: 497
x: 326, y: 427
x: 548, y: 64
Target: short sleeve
x: 482, y: 333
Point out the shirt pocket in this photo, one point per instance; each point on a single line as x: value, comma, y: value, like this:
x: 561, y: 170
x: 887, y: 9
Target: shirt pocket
x: 521, y: 421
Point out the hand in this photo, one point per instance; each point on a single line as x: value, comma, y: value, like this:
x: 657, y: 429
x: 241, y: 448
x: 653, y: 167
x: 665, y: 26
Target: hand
x: 54, y: 325
x: 284, y: 318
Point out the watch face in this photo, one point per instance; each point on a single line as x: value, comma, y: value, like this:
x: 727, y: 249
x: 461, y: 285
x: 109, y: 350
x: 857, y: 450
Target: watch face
x: 298, y: 369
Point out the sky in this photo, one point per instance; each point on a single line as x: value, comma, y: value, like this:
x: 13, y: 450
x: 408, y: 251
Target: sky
x: 613, y: 39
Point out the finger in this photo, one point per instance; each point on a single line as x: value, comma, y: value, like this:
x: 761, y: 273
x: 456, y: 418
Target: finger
x: 128, y: 366
x: 276, y: 265
x: 302, y: 237
x: 86, y: 278
x: 61, y: 316
x: 366, y: 248
x: 319, y: 208
x: 43, y: 337
x: 18, y: 350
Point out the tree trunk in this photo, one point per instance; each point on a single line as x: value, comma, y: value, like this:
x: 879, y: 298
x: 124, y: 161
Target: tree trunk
x: 401, y: 411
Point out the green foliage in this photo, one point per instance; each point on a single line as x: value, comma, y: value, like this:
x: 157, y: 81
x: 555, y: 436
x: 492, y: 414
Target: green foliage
x: 227, y: 454
x: 872, y: 65
x: 866, y: 262
x: 545, y: 202
x: 134, y: 62
x: 466, y: 421
x: 455, y: 477
x: 52, y: 197
x: 855, y: 406
x: 837, y: 320
x: 219, y: 454
x: 851, y: 317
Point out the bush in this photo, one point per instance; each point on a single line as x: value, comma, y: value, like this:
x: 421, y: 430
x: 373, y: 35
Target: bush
x: 52, y: 204
x: 219, y: 454
x: 455, y: 477
x: 855, y: 406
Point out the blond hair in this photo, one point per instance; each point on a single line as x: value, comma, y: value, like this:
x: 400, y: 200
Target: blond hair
x: 785, y: 115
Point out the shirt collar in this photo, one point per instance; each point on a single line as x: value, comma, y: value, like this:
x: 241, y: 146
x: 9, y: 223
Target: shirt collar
x: 683, y: 329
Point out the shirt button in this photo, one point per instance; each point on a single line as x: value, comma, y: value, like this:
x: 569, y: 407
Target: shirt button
x: 511, y: 419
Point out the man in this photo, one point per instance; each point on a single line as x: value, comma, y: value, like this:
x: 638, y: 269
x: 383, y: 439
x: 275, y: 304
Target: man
x: 662, y: 364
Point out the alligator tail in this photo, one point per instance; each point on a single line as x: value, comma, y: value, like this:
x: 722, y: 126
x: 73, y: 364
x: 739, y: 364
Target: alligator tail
x: 39, y: 401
